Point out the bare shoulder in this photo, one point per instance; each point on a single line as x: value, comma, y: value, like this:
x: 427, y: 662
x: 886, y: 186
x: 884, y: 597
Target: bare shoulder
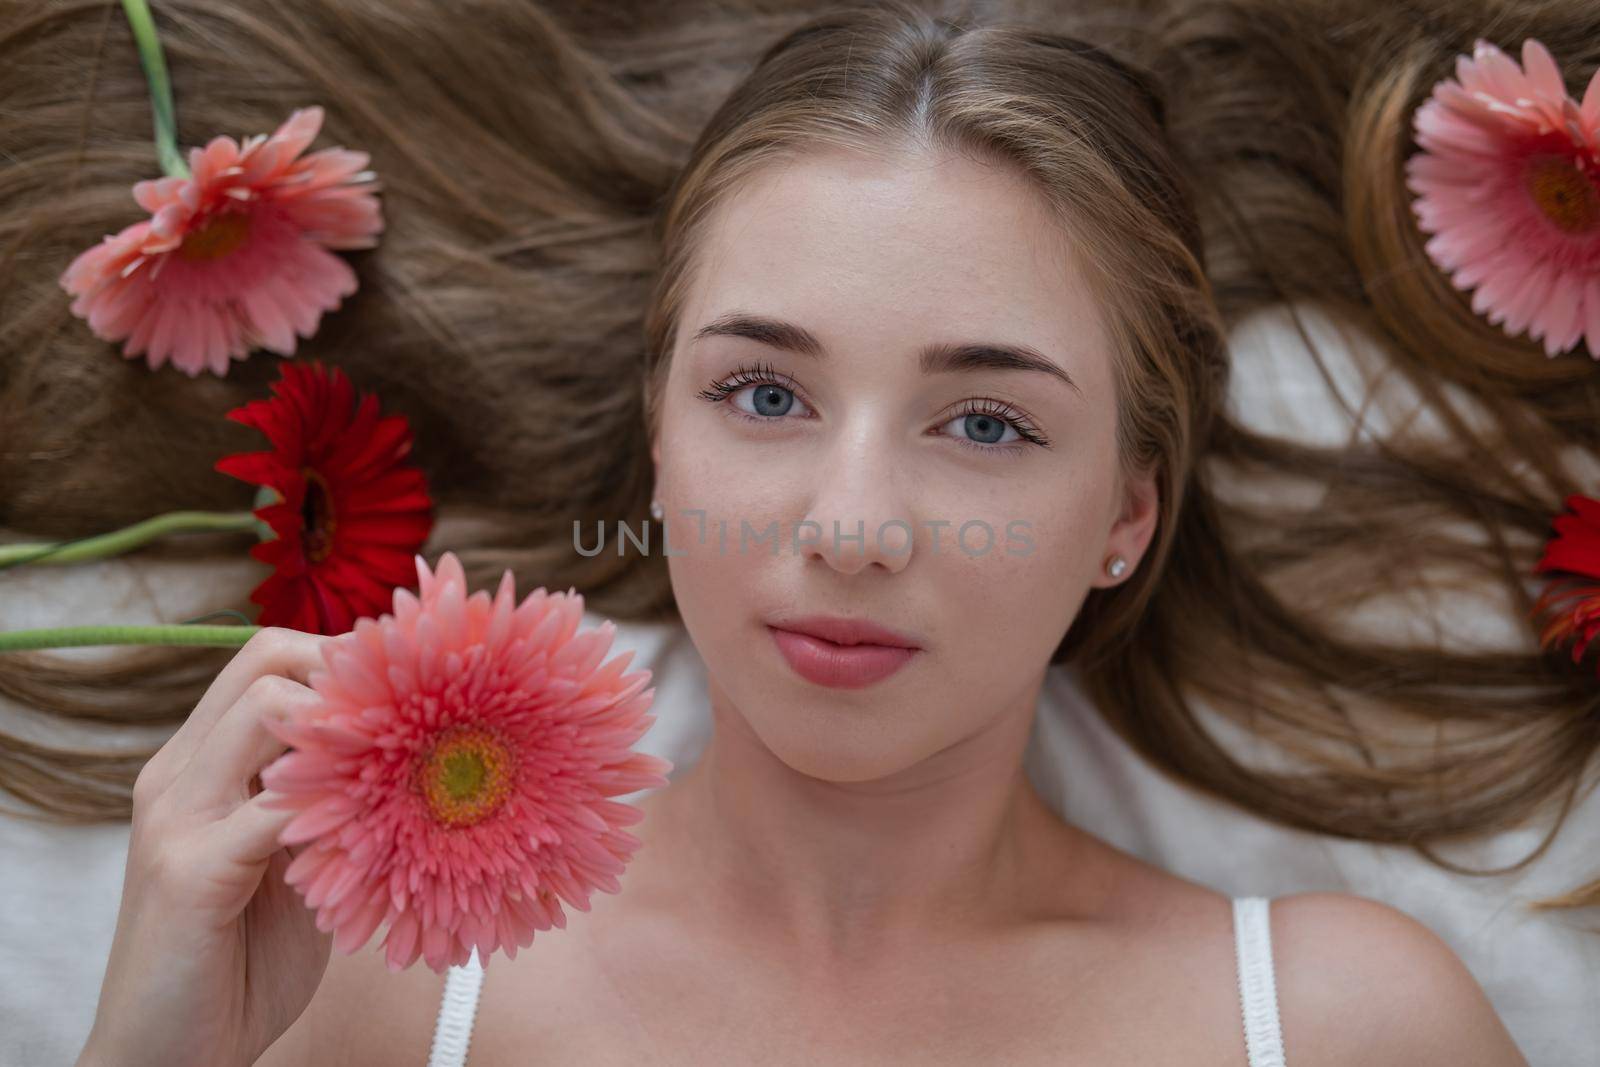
x: 363, y: 1014
x: 1361, y: 982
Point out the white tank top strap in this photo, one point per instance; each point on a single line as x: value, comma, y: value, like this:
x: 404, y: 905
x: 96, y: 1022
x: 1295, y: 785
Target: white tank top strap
x: 1258, y: 993
x: 453, y: 1032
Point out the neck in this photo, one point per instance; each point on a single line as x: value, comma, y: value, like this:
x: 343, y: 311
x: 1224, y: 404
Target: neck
x: 846, y: 871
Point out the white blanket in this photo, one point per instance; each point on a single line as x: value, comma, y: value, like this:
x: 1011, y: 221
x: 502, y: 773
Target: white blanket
x: 60, y: 887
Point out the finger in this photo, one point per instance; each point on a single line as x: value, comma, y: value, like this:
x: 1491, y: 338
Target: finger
x: 249, y: 833
x: 240, y: 744
x: 271, y: 650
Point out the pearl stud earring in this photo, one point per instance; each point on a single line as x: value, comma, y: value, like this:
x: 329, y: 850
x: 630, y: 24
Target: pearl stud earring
x: 656, y: 510
x: 1116, y: 566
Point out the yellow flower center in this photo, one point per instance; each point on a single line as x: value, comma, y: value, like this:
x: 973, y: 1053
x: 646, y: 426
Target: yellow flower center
x: 217, y: 236
x: 466, y: 776
x: 316, y: 517
x: 1564, y: 193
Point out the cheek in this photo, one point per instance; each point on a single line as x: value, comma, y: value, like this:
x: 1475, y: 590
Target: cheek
x: 1005, y: 610
x: 707, y: 494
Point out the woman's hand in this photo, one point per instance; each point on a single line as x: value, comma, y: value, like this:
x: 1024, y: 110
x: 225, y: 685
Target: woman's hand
x: 214, y: 956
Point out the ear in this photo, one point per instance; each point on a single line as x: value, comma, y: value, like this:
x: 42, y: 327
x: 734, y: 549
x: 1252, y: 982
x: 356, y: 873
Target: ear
x: 1130, y: 534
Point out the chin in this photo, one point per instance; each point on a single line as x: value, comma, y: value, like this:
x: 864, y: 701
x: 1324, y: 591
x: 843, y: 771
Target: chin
x: 833, y: 735
x: 838, y: 745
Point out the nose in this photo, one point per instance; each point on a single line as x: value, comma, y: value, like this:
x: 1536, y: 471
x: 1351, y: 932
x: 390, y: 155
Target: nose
x: 859, y: 515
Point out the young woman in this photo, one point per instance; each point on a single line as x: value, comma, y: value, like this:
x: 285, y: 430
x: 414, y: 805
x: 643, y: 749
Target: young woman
x: 932, y: 299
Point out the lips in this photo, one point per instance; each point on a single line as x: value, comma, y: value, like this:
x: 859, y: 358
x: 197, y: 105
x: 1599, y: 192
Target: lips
x: 843, y: 631
x: 842, y: 653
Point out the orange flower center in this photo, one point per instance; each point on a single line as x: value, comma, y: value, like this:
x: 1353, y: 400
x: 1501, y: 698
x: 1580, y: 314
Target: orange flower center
x: 466, y: 776
x: 316, y: 517
x: 1564, y: 193
x: 219, y: 235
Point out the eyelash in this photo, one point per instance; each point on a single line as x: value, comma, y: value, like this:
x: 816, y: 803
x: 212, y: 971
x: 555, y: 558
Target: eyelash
x: 763, y: 374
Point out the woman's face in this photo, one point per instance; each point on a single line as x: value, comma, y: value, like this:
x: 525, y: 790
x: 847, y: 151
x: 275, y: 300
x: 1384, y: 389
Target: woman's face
x: 965, y: 500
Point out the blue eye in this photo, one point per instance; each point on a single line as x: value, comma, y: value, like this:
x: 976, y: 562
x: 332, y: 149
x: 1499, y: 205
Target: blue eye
x: 772, y: 395
x: 766, y: 400
x: 983, y: 428
x: 990, y: 425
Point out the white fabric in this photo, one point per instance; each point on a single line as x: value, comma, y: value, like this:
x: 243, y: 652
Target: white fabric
x: 60, y: 886
x: 458, y: 1005
x: 1258, y: 988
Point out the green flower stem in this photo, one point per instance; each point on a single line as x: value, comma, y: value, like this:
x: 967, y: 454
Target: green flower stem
x: 155, y: 72
x: 119, y: 541
x: 175, y: 634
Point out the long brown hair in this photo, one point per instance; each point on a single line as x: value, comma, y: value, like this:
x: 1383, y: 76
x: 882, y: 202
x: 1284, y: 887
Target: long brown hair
x: 546, y: 173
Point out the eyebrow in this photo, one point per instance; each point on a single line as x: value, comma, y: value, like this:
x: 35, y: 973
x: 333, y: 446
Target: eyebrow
x: 935, y: 358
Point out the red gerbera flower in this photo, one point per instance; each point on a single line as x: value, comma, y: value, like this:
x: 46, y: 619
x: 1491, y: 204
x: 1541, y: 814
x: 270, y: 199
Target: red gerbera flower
x: 1572, y: 600
x: 352, y: 513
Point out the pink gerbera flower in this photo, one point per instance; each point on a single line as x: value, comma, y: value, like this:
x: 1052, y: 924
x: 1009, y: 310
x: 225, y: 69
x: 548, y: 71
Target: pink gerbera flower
x: 235, y: 256
x: 454, y: 780
x: 1508, y: 184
